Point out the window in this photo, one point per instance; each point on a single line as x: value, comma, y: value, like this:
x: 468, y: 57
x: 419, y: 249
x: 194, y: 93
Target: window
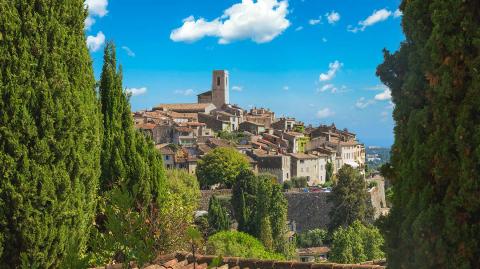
x: 218, y: 81
x: 167, y: 157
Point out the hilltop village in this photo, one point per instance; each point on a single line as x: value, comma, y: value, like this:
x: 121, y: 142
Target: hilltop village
x: 283, y: 147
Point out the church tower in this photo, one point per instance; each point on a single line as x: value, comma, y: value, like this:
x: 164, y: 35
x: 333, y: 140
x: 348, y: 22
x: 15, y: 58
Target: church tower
x: 220, y: 88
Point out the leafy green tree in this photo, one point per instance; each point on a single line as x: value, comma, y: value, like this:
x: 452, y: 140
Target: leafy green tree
x: 220, y: 166
x: 356, y: 243
x: 312, y: 238
x: 350, y: 199
x: 218, y: 219
x: 238, y: 244
x: 434, y: 82
x: 49, y: 134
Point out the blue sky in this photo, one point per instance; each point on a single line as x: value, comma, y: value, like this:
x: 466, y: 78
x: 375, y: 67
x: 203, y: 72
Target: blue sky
x: 312, y: 59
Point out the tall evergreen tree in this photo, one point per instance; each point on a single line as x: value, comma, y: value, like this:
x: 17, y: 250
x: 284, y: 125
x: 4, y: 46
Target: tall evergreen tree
x: 350, y: 199
x: 218, y: 219
x: 49, y: 134
x: 128, y: 157
x: 131, y: 168
x: 435, y: 80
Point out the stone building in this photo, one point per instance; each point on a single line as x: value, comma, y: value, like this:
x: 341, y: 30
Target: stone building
x: 219, y: 94
x: 252, y: 127
x: 310, y: 166
x: 277, y: 165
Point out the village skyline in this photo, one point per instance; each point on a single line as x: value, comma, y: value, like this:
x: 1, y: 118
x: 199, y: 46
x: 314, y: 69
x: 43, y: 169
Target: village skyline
x: 315, y: 62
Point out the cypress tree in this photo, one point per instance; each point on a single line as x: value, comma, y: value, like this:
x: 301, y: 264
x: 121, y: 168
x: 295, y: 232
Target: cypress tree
x: 218, y: 219
x: 435, y: 80
x: 128, y: 157
x: 49, y: 134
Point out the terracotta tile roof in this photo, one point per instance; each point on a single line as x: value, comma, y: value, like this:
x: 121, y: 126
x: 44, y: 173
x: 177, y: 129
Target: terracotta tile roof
x: 192, y: 106
x: 183, y: 129
x: 182, y: 260
x: 205, y: 93
x: 166, y: 150
x: 146, y: 126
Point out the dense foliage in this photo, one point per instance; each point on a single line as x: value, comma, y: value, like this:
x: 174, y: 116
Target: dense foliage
x: 238, y: 244
x: 350, y: 199
x: 329, y: 177
x: 49, y: 134
x: 218, y: 219
x: 260, y: 209
x: 312, y: 238
x: 435, y: 81
x: 356, y: 243
x: 220, y: 166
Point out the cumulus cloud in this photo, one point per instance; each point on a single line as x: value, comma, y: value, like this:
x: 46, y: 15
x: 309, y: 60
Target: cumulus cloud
x: 136, y: 91
x: 384, y: 96
x: 237, y: 88
x: 325, y: 113
x: 332, y: 71
x: 260, y: 21
x: 332, y: 17
x: 363, y: 103
x: 314, y: 21
x: 95, y: 8
x: 94, y: 43
x: 128, y: 51
x: 376, y: 17
x: 187, y: 92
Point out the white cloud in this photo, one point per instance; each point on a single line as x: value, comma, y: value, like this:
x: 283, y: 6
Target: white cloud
x: 260, y: 21
x: 385, y: 95
x: 363, y: 103
x: 328, y: 87
x: 376, y: 17
x: 136, y: 91
x: 324, y: 40
x: 397, y: 13
x: 332, y: 17
x: 299, y: 28
x: 332, y: 70
x: 325, y: 113
x: 187, y: 92
x: 286, y: 88
x: 89, y: 21
x: 95, y: 8
x: 315, y: 21
x: 94, y: 43
x: 128, y: 51
x: 237, y: 88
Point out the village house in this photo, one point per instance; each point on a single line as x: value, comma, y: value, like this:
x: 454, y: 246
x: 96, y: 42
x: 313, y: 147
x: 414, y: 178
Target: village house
x: 275, y: 164
x: 252, y: 127
x: 261, y: 116
x: 309, y: 166
x: 284, y: 124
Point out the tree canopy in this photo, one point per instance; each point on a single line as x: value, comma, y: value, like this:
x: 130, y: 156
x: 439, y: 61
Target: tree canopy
x: 434, y: 79
x: 49, y: 134
x: 220, y: 166
x: 356, y: 243
x: 350, y: 199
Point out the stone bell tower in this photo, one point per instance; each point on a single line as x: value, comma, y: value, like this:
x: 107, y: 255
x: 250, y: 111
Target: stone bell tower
x: 220, y: 88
